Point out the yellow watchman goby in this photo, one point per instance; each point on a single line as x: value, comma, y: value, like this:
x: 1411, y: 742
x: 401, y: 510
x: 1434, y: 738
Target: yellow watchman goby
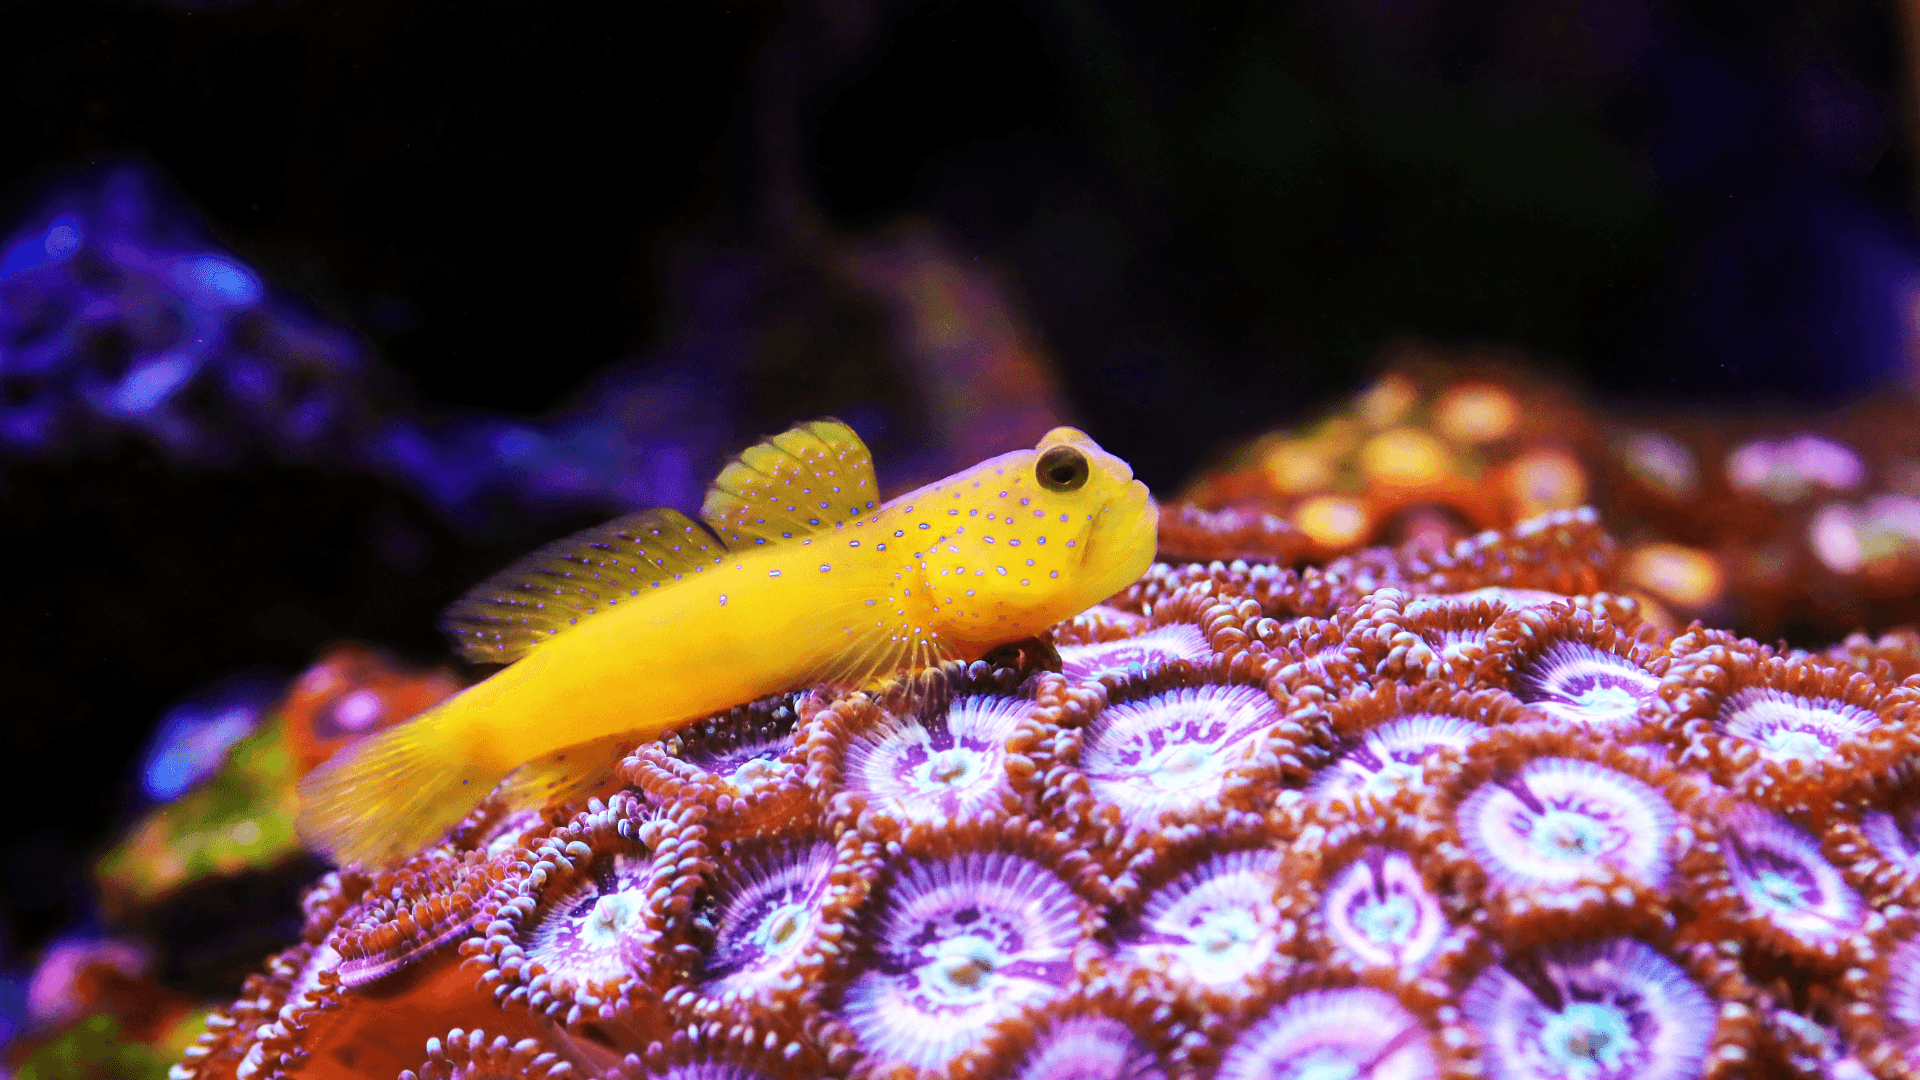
x: 796, y: 576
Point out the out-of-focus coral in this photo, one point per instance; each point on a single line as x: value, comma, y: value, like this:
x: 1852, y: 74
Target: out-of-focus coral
x: 94, y: 1049
x: 1442, y: 811
x: 241, y: 817
x: 118, y: 313
x: 194, y: 737
x: 353, y: 691
x: 1428, y: 453
x: 204, y: 874
x: 95, y: 1010
x: 1764, y: 522
x: 121, y: 317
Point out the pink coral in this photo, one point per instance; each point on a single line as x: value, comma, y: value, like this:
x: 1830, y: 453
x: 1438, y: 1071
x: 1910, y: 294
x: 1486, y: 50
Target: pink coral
x: 1435, y: 812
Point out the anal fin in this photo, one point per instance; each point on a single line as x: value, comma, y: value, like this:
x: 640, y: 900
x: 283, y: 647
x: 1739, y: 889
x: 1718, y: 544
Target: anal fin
x: 572, y: 773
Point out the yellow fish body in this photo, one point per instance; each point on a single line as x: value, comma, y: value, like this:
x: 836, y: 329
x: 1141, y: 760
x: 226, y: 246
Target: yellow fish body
x: 798, y: 577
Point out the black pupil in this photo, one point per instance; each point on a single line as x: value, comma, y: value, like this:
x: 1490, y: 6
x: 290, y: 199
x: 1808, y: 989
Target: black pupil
x: 1063, y: 469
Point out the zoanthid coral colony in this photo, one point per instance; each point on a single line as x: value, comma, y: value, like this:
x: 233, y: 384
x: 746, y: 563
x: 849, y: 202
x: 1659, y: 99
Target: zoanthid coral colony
x: 1807, y: 519
x: 1460, y: 813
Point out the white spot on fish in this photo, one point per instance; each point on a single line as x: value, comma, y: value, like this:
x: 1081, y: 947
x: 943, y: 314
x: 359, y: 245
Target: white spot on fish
x: 723, y: 599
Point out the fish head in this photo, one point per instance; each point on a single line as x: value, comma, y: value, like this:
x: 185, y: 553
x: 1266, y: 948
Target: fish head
x: 1036, y: 536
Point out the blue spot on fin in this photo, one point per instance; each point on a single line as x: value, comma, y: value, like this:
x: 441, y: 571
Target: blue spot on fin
x: 808, y: 479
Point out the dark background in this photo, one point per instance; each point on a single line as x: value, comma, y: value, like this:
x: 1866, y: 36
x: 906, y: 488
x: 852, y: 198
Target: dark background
x: 1215, y: 215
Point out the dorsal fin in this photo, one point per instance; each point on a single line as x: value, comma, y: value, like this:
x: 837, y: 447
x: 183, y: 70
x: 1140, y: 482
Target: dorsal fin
x: 801, y: 481
x: 543, y: 594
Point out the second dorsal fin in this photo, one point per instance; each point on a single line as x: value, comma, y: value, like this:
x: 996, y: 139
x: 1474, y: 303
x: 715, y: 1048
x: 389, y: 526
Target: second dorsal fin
x: 506, y: 616
x: 808, y: 478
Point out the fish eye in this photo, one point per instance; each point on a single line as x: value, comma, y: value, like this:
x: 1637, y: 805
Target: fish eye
x: 1061, y: 468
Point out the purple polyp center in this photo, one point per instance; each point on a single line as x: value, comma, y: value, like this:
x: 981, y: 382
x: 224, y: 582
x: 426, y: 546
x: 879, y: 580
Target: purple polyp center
x: 1902, y: 1003
x: 728, y: 760
x: 1780, y: 873
x: 709, y: 1070
x: 1604, y: 1010
x: 1787, y: 727
x: 766, y: 906
x: 1357, y: 1033
x: 764, y: 741
x: 1215, y: 924
x: 1560, y: 820
x: 1580, y: 684
x: 593, y: 934
x: 1895, y: 835
x: 1379, y: 909
x: 1391, y: 755
x: 1137, y: 655
x: 938, y: 765
x: 962, y: 943
x: 1089, y: 1048
x: 1173, y: 750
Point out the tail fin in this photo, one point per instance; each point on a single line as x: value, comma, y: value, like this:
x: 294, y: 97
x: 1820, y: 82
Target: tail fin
x: 392, y: 793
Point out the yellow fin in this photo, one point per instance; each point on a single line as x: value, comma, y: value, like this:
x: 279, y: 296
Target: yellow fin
x: 878, y: 657
x: 808, y: 478
x: 391, y: 794
x: 572, y: 772
x: 543, y: 594
x: 876, y: 642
